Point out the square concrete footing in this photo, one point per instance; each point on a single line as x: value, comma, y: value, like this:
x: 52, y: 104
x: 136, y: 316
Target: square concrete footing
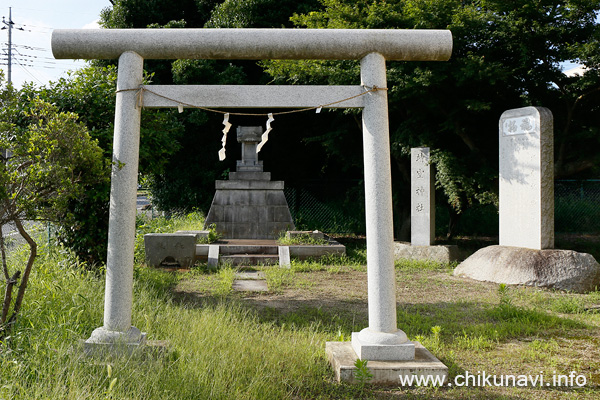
x: 103, y: 350
x: 342, y: 357
x: 437, y: 253
x: 373, y: 352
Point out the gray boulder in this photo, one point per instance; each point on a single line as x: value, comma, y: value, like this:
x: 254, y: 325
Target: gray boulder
x: 559, y: 269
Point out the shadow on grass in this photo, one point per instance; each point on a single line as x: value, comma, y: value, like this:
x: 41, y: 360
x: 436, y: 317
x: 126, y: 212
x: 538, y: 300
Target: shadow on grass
x: 465, y: 326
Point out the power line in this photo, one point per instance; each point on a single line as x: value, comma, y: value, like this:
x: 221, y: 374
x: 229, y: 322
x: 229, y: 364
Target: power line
x: 28, y: 58
x: 9, y: 26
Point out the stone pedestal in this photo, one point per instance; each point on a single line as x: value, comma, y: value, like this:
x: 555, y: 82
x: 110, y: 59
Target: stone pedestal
x: 249, y: 205
x: 342, y: 357
x: 438, y: 253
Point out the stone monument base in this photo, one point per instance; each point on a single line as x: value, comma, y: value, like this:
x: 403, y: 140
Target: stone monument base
x: 364, y: 349
x: 103, y: 341
x: 559, y: 269
x: 342, y: 357
x: 437, y: 253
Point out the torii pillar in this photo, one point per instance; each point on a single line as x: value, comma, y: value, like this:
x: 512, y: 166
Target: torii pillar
x: 382, y: 340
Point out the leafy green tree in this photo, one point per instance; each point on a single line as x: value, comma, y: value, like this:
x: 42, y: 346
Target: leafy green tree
x: 257, y: 13
x: 506, y: 54
x: 49, y: 156
x: 90, y: 93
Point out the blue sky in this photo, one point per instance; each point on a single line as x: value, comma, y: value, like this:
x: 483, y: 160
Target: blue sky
x: 31, y: 46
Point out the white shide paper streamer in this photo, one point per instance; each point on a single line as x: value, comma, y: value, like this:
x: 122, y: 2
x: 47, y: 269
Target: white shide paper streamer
x: 224, y: 139
x: 265, y: 136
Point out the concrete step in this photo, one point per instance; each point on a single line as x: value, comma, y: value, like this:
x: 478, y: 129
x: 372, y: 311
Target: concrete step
x: 250, y: 286
x: 250, y: 259
x: 245, y: 274
x: 247, y: 249
x: 229, y: 248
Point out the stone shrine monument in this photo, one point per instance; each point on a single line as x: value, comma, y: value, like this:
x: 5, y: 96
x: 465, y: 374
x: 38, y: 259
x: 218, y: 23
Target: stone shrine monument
x: 527, y: 178
x: 381, y: 340
x: 422, y: 198
x: 249, y: 205
x: 525, y: 254
x: 422, y: 214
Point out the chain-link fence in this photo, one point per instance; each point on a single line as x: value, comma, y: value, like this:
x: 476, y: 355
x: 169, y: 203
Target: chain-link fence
x: 577, y: 206
x: 13, y: 239
x: 329, y: 207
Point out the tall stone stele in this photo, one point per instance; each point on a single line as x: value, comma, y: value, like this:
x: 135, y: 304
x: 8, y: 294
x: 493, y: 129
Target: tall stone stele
x: 422, y: 198
x: 249, y: 205
x: 527, y: 178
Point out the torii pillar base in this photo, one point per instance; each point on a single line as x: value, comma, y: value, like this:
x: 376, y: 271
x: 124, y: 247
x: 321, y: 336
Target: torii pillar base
x: 342, y: 358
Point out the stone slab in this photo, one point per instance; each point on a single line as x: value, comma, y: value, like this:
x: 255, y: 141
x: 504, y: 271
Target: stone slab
x: 254, y: 44
x: 559, y: 269
x: 240, y: 253
x: 422, y: 197
x: 303, y: 252
x: 342, y: 357
x: 250, y: 176
x: 170, y: 247
x: 249, y: 249
x: 213, y: 255
x: 437, y: 253
x: 526, y: 178
x: 249, y: 185
x: 284, y: 256
x: 312, y: 234
x: 104, y: 351
x: 199, y: 234
x: 249, y: 285
x: 250, y: 275
x: 369, y: 351
x: 250, y: 259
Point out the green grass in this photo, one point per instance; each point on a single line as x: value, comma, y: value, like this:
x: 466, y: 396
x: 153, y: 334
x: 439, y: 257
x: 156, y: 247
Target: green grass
x: 221, y: 345
x: 218, y: 351
x: 302, y: 239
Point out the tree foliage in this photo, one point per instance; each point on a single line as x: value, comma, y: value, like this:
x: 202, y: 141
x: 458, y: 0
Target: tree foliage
x: 90, y: 93
x: 507, y: 54
x: 50, y: 155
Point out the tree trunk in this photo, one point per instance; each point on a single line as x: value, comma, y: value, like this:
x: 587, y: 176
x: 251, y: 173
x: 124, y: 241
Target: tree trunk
x: 3, y: 254
x: 453, y: 222
x: 8, y: 297
x: 32, y: 255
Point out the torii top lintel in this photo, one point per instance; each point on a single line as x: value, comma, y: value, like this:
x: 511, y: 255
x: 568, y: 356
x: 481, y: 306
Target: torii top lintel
x: 253, y: 44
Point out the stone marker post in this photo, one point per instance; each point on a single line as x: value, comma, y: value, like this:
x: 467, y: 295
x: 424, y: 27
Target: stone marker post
x: 527, y: 178
x: 382, y: 340
x: 118, y: 299
x: 422, y: 198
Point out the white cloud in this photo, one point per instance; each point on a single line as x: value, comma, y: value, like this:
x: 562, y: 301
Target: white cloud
x: 92, y: 25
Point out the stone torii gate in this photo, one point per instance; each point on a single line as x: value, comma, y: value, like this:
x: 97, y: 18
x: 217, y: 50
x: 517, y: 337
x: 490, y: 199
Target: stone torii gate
x: 382, y: 340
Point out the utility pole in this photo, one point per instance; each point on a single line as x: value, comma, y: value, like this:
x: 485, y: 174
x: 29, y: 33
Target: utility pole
x: 9, y: 26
